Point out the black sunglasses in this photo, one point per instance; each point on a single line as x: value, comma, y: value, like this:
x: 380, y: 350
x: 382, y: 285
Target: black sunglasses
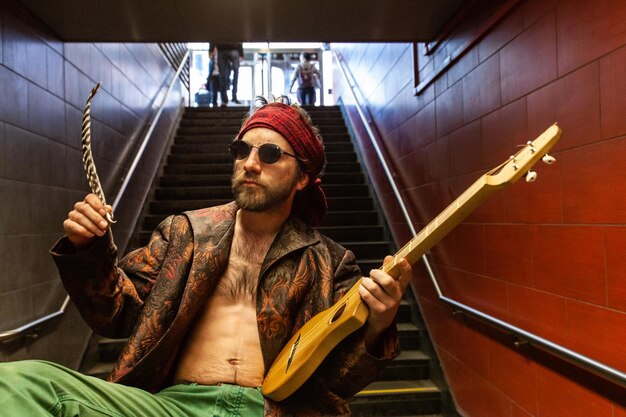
x: 269, y: 153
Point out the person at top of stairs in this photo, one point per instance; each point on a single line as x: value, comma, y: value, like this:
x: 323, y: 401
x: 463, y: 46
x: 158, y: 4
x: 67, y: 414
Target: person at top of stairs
x: 212, y: 299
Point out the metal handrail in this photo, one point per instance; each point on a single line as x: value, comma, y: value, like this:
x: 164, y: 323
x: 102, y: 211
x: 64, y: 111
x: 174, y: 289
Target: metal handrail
x: 133, y: 166
x: 596, y: 367
x: 32, y: 327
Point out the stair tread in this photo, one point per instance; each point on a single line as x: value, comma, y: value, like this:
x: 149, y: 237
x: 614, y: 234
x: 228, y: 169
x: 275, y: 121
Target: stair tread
x: 411, y: 355
x: 359, y: 243
x: 322, y: 228
x: 106, y: 340
x: 101, y: 368
x: 399, y: 387
x: 227, y: 185
x: 213, y: 200
x: 405, y: 326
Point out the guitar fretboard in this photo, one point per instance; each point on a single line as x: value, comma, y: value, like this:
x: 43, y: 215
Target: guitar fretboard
x: 441, y: 225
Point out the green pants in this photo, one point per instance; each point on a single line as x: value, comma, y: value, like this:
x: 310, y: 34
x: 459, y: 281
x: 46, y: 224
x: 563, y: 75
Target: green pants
x: 37, y: 388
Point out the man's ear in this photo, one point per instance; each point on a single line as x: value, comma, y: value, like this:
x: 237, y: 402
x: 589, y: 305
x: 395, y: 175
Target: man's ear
x: 303, y: 181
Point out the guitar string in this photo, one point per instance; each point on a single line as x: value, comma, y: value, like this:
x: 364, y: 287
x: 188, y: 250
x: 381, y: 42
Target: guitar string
x: 332, y: 311
x: 402, y: 253
x: 303, y: 335
x: 349, y: 295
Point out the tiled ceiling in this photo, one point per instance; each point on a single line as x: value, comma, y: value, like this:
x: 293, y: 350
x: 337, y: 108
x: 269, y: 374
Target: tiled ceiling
x: 244, y: 20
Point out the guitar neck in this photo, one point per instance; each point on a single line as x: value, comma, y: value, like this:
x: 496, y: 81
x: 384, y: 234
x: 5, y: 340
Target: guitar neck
x: 308, y: 347
x: 430, y: 235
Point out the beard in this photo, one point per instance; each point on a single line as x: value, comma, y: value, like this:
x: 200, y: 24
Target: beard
x: 263, y: 196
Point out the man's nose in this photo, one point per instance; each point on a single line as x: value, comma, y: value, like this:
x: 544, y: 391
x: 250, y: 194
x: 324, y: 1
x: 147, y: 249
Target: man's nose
x: 253, y: 163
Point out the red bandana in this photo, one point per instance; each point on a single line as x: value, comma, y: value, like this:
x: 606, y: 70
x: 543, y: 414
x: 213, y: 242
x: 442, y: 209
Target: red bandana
x: 310, y: 203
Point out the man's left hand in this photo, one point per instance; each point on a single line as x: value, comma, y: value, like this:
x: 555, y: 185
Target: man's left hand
x: 383, y: 294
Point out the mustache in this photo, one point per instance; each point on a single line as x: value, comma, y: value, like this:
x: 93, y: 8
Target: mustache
x: 240, y: 178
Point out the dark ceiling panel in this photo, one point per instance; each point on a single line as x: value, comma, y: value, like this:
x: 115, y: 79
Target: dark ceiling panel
x: 247, y: 20
x: 244, y: 20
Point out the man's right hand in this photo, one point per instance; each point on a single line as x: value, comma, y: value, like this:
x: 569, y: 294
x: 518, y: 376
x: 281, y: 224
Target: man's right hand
x: 87, y: 221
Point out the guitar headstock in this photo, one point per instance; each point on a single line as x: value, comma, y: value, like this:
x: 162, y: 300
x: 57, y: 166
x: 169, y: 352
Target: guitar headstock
x: 519, y: 164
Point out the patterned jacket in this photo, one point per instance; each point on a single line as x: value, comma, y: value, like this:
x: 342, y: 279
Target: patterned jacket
x: 153, y: 294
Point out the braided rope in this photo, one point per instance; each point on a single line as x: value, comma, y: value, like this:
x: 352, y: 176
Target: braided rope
x: 88, y: 163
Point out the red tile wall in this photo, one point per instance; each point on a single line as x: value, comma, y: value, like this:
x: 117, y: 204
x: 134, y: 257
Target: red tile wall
x: 547, y: 257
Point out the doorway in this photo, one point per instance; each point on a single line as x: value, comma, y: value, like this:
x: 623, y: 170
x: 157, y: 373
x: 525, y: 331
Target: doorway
x: 266, y: 70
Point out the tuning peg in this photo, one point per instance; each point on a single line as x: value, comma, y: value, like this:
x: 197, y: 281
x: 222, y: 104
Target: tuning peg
x: 531, y: 176
x: 548, y: 159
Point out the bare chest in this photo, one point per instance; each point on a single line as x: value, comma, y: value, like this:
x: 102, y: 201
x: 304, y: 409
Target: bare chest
x: 239, y: 282
x: 223, y: 345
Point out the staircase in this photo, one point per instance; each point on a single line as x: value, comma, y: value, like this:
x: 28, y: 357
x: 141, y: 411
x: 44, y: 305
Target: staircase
x: 197, y: 174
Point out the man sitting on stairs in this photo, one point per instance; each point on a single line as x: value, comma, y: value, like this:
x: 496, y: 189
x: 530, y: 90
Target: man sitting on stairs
x: 212, y: 299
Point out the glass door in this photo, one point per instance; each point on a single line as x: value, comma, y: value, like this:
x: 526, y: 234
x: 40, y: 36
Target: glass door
x: 266, y: 70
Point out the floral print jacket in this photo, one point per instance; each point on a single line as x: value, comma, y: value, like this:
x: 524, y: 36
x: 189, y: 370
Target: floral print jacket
x: 153, y: 294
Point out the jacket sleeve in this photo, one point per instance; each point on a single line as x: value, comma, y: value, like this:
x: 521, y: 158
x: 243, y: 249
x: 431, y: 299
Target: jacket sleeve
x: 350, y: 367
x: 109, y: 296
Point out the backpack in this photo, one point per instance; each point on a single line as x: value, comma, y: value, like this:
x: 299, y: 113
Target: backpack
x: 306, y: 77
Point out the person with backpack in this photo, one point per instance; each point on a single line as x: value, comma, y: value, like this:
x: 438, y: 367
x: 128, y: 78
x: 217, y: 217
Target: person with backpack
x: 308, y: 76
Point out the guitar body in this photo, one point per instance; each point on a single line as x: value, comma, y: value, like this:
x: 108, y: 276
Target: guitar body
x: 313, y: 342
x: 304, y: 353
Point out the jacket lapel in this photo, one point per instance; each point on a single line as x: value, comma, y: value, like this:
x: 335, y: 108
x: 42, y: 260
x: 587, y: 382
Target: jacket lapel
x: 213, y: 231
x: 293, y: 235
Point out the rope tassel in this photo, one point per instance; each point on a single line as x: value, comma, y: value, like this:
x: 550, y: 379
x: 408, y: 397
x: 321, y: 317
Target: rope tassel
x: 88, y: 162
